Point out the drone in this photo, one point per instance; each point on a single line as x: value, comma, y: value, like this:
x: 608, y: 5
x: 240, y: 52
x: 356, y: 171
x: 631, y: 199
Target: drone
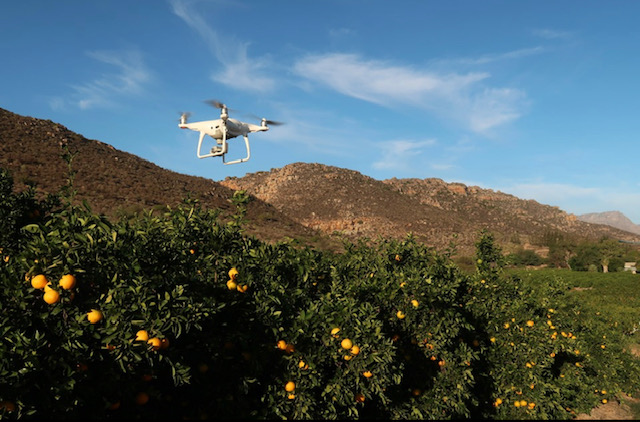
x: 223, y: 129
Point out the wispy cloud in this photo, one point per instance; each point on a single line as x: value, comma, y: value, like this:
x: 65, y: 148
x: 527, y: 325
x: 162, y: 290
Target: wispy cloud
x: 550, y: 34
x: 579, y: 199
x: 238, y: 70
x: 129, y: 79
x: 399, y: 154
x: 461, y: 97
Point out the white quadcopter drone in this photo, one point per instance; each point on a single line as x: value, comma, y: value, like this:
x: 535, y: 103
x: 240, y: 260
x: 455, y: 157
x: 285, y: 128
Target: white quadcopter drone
x: 223, y: 129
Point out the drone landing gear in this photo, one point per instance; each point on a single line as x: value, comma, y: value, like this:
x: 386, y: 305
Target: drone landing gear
x: 222, y: 148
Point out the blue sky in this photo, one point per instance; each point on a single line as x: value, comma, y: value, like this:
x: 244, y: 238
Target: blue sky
x: 538, y: 99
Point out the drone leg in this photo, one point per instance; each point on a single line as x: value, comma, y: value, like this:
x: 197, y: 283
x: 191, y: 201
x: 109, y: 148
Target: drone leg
x: 241, y: 160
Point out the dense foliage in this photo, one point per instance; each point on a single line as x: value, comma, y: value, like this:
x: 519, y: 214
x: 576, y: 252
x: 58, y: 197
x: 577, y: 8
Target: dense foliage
x: 177, y: 315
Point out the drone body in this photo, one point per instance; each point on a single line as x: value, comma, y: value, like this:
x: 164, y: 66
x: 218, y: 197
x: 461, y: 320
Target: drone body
x: 222, y: 130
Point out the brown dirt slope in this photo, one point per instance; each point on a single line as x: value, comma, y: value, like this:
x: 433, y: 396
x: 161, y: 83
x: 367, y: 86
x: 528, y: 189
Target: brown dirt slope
x: 115, y: 182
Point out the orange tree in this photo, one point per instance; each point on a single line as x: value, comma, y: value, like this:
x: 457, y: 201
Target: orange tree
x: 176, y: 314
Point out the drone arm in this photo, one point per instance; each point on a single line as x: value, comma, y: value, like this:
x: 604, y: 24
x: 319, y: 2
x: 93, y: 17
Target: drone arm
x: 241, y: 160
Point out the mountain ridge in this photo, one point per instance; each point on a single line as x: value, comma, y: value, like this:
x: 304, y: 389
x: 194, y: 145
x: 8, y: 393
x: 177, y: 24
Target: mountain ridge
x: 611, y: 218
x: 312, y: 203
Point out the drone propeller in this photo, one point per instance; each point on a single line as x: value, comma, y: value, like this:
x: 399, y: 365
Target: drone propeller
x: 265, y: 121
x: 216, y: 104
x: 272, y: 122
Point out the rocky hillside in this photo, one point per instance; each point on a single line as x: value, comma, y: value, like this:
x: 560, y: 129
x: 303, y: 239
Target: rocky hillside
x: 302, y: 201
x: 115, y: 182
x: 611, y: 218
x: 334, y: 199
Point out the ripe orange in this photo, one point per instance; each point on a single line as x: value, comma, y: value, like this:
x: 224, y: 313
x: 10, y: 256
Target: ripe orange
x: 282, y: 345
x: 367, y: 374
x: 142, y: 335
x: 142, y: 398
x: 291, y: 396
x: 400, y: 314
x: 231, y: 285
x: 355, y: 350
x: 233, y: 273
x: 346, y: 344
x: 414, y: 303
x: 335, y: 331
x: 530, y: 323
x: 94, y: 316
x: 360, y: 398
x: 290, y: 386
x: 39, y: 281
x: 290, y: 348
x: 68, y: 281
x: 242, y: 288
x: 51, y: 297
x: 155, y: 343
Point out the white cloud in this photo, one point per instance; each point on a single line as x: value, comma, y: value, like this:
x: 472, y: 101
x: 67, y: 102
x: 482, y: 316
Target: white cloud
x: 129, y: 79
x: 398, y: 154
x: 460, y: 97
x: 551, y: 34
x: 238, y: 70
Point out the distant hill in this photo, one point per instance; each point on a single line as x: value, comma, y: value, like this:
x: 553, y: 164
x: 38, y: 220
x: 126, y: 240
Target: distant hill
x: 611, y: 218
x: 307, y: 202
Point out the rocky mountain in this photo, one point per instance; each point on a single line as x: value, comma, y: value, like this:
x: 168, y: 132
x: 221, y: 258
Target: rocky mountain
x: 333, y: 199
x: 115, y: 182
x: 611, y: 218
x: 308, y: 202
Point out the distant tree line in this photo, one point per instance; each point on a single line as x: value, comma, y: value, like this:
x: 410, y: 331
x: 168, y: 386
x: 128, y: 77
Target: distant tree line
x: 605, y: 255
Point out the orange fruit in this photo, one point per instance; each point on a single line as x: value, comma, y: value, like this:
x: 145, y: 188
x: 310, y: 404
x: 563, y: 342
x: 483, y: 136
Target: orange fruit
x: 231, y: 285
x: 334, y: 332
x: 346, y: 344
x: 142, y: 335
x: 360, y: 398
x: 94, y: 316
x: 367, y: 374
x: 233, y: 273
x: 355, y: 350
x: 291, y: 396
x: 115, y: 406
x: 142, y: 398
x: 155, y: 343
x: 51, y: 297
x: 68, y: 281
x: 400, y: 314
x: 290, y: 348
x: 242, y: 288
x: 530, y: 323
x: 282, y: 345
x: 39, y: 281
x: 414, y: 303
x: 290, y: 386
x: 347, y: 357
